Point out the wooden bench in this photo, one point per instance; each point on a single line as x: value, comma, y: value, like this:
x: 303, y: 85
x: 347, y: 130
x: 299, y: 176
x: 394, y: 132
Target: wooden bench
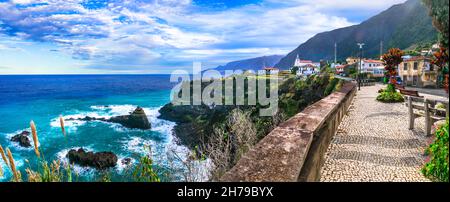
x: 409, y: 92
x: 422, y: 107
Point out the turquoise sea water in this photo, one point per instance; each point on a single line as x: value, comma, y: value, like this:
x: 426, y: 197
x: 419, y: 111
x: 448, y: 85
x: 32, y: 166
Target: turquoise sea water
x: 44, y: 98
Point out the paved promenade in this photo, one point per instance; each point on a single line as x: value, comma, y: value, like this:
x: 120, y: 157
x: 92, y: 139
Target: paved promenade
x: 373, y: 143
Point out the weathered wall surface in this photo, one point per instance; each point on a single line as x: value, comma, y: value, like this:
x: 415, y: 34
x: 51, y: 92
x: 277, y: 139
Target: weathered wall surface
x: 294, y: 151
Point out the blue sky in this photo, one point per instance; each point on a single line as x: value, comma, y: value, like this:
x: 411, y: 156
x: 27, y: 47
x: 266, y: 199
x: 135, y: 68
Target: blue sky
x: 159, y: 36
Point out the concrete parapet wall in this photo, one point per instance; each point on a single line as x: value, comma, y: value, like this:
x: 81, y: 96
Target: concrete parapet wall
x: 294, y: 151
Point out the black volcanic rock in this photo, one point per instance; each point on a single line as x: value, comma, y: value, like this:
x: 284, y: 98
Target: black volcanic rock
x: 137, y: 119
x: 22, y: 139
x: 99, y: 160
x: 126, y: 161
x: 87, y: 118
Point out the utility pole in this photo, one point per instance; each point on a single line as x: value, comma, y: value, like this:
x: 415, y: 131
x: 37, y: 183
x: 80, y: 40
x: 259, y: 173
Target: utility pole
x: 360, y: 64
x: 381, y: 48
x: 335, y: 53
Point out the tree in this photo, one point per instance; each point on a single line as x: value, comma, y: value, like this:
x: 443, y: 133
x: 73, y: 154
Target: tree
x: 438, y: 10
x: 294, y: 70
x: 391, y: 60
x: 440, y: 59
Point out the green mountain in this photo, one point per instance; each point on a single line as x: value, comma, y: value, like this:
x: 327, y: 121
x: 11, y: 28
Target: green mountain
x: 254, y: 64
x: 403, y: 26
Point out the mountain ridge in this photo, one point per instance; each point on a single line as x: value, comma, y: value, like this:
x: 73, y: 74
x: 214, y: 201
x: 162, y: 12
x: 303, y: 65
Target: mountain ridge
x: 254, y: 64
x: 402, y: 25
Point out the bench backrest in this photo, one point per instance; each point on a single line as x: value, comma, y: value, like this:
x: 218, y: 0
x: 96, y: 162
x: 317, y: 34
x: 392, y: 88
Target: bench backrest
x: 418, y: 103
x: 409, y: 92
x: 398, y: 86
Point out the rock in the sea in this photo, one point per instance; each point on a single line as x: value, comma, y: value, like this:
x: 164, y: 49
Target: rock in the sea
x: 126, y: 161
x: 86, y: 118
x: 22, y: 139
x: 99, y: 160
x: 137, y: 119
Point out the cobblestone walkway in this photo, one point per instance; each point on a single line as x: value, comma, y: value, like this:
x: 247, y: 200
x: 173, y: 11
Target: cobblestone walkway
x: 373, y: 143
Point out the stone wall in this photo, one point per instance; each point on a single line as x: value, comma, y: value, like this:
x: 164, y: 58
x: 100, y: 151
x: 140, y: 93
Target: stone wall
x: 294, y: 151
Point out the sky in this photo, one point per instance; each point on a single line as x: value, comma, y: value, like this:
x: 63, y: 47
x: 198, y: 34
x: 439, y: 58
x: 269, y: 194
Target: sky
x: 160, y: 36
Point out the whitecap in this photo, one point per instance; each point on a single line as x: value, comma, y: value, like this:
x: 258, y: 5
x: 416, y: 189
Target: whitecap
x: 120, y: 167
x: 73, y: 124
x: 7, y: 174
x: 138, y: 145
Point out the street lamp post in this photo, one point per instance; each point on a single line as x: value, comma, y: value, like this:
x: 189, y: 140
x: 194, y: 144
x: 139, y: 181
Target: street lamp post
x: 360, y: 65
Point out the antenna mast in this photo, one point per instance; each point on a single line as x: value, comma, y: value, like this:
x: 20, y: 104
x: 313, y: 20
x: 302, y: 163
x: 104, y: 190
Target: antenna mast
x: 335, y: 53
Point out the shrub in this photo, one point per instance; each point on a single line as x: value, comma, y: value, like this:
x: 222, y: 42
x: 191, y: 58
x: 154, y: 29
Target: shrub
x: 50, y: 173
x: 390, y: 88
x: 144, y: 171
x: 226, y: 147
x: 437, y: 167
x: 331, y: 86
x: 390, y: 97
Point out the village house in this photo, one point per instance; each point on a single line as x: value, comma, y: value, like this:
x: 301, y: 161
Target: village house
x: 340, y: 69
x: 418, y: 71
x: 271, y: 70
x: 352, y: 60
x: 373, y: 67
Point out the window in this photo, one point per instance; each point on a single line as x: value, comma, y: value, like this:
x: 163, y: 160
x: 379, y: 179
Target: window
x: 405, y: 66
x: 416, y: 65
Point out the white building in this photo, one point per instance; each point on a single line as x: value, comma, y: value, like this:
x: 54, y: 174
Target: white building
x: 306, y: 67
x: 374, y: 67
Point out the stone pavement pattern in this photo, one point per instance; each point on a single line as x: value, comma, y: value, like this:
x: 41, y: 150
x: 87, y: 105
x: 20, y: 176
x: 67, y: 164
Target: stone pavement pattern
x: 373, y: 143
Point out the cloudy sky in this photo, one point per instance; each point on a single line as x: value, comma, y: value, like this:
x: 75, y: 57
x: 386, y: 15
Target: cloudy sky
x: 159, y: 36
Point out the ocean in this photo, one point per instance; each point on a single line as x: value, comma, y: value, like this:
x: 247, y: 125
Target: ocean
x: 43, y: 98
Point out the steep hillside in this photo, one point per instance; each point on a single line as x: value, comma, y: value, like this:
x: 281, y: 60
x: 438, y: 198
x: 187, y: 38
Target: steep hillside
x: 402, y: 26
x: 252, y: 64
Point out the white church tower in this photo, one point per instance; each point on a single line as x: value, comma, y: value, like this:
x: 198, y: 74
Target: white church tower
x: 298, y: 62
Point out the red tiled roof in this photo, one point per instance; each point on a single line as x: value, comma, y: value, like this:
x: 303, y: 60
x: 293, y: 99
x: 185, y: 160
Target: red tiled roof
x: 270, y: 68
x: 373, y: 61
x: 415, y: 58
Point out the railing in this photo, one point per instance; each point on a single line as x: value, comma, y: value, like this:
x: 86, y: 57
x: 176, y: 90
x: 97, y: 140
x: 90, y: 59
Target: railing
x: 294, y: 151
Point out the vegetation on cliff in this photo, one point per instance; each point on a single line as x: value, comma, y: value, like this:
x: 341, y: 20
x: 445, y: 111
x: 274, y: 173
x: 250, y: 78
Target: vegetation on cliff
x: 225, y: 133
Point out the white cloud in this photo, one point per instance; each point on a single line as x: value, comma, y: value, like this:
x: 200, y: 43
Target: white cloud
x: 341, y: 4
x: 166, y: 32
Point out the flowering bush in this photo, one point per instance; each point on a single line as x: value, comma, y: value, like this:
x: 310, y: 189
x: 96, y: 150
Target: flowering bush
x: 391, y: 60
x: 437, y: 166
x: 390, y: 97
